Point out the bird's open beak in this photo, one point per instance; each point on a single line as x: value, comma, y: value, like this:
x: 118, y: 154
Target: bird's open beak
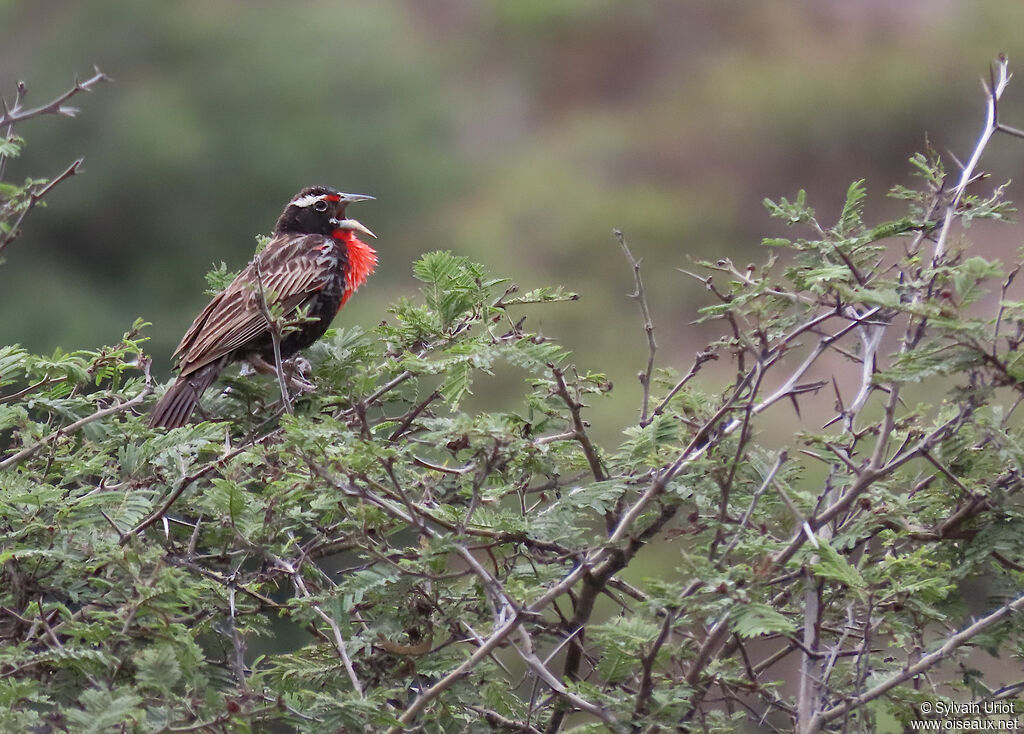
x: 345, y: 199
x: 354, y: 225
x: 352, y: 198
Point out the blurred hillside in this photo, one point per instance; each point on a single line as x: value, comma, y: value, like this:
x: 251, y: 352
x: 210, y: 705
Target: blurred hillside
x: 518, y: 132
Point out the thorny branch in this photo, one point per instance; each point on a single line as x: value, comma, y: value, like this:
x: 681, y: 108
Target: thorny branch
x: 579, y: 432
x: 56, y: 106
x: 9, y: 115
x: 996, y: 86
x: 640, y: 297
x: 950, y: 646
x: 889, y: 453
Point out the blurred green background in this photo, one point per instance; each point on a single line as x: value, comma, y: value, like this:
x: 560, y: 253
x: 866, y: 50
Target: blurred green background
x: 517, y: 132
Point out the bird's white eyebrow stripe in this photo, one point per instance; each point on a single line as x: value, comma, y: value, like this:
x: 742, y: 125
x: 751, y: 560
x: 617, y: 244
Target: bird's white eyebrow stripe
x: 307, y: 200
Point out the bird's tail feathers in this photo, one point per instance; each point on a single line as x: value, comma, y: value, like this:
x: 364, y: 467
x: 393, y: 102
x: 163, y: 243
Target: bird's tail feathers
x: 175, y: 407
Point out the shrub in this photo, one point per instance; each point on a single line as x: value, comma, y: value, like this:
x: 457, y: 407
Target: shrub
x: 383, y: 558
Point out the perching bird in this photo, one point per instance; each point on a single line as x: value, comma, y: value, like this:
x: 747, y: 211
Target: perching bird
x: 313, y: 264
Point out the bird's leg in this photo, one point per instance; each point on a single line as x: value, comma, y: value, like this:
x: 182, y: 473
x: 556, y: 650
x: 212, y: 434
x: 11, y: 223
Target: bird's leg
x: 295, y: 370
x: 261, y: 365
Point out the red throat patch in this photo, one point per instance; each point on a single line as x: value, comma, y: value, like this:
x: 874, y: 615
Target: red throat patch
x: 362, y: 259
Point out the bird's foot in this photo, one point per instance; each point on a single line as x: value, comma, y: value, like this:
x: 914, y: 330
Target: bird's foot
x: 299, y: 386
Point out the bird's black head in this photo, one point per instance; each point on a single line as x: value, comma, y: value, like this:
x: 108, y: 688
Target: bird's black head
x: 315, y: 210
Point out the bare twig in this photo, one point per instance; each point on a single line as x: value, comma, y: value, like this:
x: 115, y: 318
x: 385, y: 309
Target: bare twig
x: 502, y: 723
x: 640, y: 297
x: 275, y: 337
x: 535, y: 664
x: 497, y: 637
x: 1002, y: 306
x: 870, y: 337
x: 19, y: 97
x: 768, y: 479
x: 339, y: 640
x: 995, y: 88
x: 35, y: 196
x: 643, y: 696
x: 578, y: 426
x: 698, y: 362
x: 807, y: 694
x: 17, y: 113
x: 412, y: 415
x: 713, y: 638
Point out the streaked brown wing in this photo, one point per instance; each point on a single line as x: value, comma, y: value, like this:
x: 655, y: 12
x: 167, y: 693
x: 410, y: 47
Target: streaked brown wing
x: 290, y: 272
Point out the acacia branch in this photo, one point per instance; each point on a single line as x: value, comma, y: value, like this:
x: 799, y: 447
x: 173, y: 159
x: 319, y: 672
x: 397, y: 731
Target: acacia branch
x: 640, y: 297
x: 18, y: 113
x: 499, y: 722
x: 496, y: 638
x: 995, y: 88
x: 922, y: 665
x: 19, y: 96
x: 36, y: 194
x: 579, y: 428
x: 768, y: 479
x: 698, y: 362
x: 643, y: 696
x: 339, y: 640
x: 508, y: 618
x: 807, y: 694
x: 187, y: 481
x: 29, y: 451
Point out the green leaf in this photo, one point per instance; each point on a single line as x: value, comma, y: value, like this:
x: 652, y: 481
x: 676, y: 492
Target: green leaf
x: 850, y: 219
x: 457, y: 379
x: 541, y: 295
x: 834, y: 567
x: 598, y: 496
x: 930, y: 360
x: 969, y: 277
x: 10, y: 147
x: 644, y: 444
x: 219, y: 278
x: 453, y: 284
x: 754, y: 619
x: 893, y: 228
x: 13, y: 363
x: 157, y: 668
x: 796, y: 212
x: 105, y: 710
x: 437, y: 267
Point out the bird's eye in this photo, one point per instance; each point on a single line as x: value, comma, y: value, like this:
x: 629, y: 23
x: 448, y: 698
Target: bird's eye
x: 320, y: 206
